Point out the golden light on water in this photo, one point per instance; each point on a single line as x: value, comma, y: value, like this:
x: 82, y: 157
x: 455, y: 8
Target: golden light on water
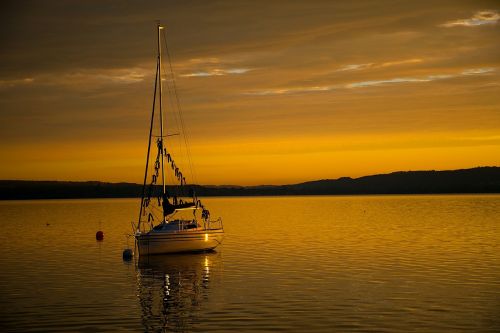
x: 350, y: 261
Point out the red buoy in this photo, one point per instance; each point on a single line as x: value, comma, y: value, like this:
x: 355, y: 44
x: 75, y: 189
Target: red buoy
x: 99, y: 235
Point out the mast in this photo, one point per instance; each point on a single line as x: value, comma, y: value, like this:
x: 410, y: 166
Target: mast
x: 149, y: 146
x: 160, y: 28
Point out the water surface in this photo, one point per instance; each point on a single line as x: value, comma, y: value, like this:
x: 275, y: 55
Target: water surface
x: 294, y: 264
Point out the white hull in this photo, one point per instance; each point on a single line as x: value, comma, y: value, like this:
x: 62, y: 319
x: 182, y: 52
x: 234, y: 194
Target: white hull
x: 175, y: 242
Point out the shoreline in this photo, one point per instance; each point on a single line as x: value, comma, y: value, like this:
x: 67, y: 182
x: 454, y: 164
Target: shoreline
x: 480, y: 180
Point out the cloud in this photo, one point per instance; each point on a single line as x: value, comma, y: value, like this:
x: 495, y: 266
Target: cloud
x: 204, y: 61
x: 478, y: 71
x: 401, y: 62
x: 357, y: 67
x: 94, y: 77
x: 372, y: 83
x: 83, y: 78
x: 484, y: 17
x: 211, y: 66
x: 286, y: 91
x: 128, y: 76
x: 16, y: 82
x: 217, y: 72
x: 354, y: 67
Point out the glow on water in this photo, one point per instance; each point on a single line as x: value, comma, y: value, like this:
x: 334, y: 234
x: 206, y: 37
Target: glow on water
x: 302, y: 264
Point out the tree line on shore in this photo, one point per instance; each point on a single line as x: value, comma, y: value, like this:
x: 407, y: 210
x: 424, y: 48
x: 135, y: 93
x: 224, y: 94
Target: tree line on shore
x: 474, y: 180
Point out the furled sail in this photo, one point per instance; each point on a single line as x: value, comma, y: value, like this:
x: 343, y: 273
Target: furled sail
x: 169, y: 208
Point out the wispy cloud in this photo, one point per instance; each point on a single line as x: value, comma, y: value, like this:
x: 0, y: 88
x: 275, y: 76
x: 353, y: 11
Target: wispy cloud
x: 401, y: 62
x: 354, y: 67
x: 82, y: 78
x: 127, y: 76
x: 97, y: 77
x: 484, y: 17
x: 217, y: 72
x: 16, y: 82
x: 358, y: 67
x: 204, y: 61
x: 478, y: 71
x: 372, y: 83
x: 211, y: 66
x: 294, y: 90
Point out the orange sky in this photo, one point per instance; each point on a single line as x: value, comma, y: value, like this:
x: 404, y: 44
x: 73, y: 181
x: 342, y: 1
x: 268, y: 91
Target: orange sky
x: 273, y: 93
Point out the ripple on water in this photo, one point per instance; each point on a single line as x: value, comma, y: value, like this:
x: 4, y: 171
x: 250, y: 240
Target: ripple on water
x: 301, y: 264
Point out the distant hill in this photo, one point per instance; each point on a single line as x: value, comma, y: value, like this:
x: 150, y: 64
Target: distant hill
x: 475, y: 180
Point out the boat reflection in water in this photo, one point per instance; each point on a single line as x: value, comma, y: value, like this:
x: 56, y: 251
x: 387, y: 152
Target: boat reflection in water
x: 171, y: 289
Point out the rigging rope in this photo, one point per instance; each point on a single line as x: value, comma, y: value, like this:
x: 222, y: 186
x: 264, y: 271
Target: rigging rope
x: 181, y: 117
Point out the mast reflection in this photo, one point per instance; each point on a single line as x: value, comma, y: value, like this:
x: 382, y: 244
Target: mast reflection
x: 171, y: 289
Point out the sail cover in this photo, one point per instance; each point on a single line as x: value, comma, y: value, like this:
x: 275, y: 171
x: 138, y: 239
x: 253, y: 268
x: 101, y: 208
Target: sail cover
x: 169, y: 208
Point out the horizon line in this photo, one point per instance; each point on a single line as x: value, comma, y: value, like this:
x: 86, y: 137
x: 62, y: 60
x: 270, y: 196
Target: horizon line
x: 233, y: 185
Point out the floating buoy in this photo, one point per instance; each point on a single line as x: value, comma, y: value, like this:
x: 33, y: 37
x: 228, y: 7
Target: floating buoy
x: 128, y: 254
x: 99, y: 235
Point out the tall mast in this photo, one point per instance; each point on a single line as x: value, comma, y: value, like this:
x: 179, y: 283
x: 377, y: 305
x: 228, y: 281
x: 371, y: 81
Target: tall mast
x: 160, y: 28
x: 149, y: 146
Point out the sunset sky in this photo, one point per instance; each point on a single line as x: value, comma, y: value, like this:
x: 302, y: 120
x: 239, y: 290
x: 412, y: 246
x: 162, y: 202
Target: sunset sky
x: 272, y: 92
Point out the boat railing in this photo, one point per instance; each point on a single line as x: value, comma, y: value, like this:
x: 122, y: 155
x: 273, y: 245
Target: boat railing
x: 184, y: 223
x: 214, y: 224
x: 135, y: 228
x: 181, y: 225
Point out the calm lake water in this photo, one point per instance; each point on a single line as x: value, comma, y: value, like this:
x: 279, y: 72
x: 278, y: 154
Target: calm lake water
x: 298, y: 264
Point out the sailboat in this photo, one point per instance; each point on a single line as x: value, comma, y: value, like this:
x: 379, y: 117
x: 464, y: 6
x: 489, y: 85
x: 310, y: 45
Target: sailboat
x: 160, y: 229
